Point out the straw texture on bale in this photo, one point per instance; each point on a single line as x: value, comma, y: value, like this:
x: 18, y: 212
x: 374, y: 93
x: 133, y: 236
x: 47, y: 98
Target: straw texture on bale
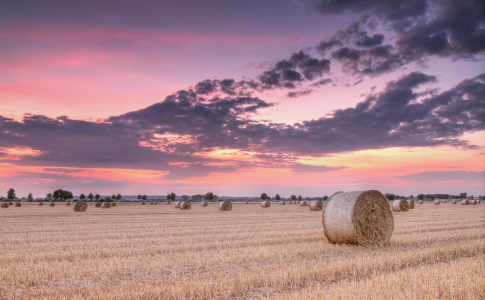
x: 113, y: 204
x: 68, y: 204
x: 225, y: 206
x: 420, y: 201
x: 360, y: 217
x: 282, y: 203
x: 185, y: 205
x: 40, y: 203
x: 400, y: 205
x: 18, y: 204
x: 52, y: 204
x: 265, y: 204
x: 5, y: 205
x: 465, y: 202
x: 80, y: 206
x: 411, y: 204
x: 106, y: 205
x: 303, y: 203
x: 177, y: 204
x: 316, y: 205
x: 10, y: 203
x: 453, y: 201
x: 98, y: 204
x: 205, y: 203
x: 143, y: 203
x: 437, y: 202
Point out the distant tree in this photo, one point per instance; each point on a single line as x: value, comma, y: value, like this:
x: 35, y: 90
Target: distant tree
x: 277, y: 197
x: 390, y: 196
x: 420, y: 196
x: 48, y: 197
x: 412, y: 197
x: 325, y: 198
x: 293, y: 198
x: 90, y: 197
x: 107, y: 199
x: 82, y: 197
x: 463, y: 195
x: 197, y: 197
x: 264, y: 196
x: 30, y: 197
x: 139, y: 197
x: 118, y: 197
x: 11, y: 194
x: 168, y: 197
x: 172, y: 196
x: 209, y: 196
x: 113, y: 197
x: 185, y: 197
x: 97, y: 196
x: 144, y: 197
x: 300, y: 198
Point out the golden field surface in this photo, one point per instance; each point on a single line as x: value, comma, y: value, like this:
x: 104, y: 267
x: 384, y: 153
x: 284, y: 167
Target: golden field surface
x: 135, y: 251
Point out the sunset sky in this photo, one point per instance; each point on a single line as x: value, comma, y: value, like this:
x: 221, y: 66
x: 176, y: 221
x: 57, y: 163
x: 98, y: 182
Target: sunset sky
x: 242, y: 97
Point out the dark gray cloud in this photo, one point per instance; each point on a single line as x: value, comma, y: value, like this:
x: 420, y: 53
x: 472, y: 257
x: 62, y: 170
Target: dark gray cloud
x: 299, y: 93
x: 421, y: 28
x: 301, y: 168
x: 466, y: 176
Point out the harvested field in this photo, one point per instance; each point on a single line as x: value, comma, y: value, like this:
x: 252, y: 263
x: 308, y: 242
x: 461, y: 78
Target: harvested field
x: 143, y: 252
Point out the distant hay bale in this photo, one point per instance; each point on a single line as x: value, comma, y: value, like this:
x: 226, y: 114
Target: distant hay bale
x: 436, y: 201
x: 303, y: 203
x: 400, y: 205
x: 411, y: 204
x: 225, y: 206
x: 18, y: 204
x: 98, y: 204
x: 282, y: 203
x: 177, y: 204
x: 444, y: 201
x: 10, y: 203
x: 465, y: 202
x: 113, y: 204
x: 143, y: 203
x: 185, y: 205
x: 420, y: 201
x: 473, y: 202
x: 106, y: 205
x: 40, y: 204
x: 453, y: 201
x: 298, y: 202
x: 68, y: 204
x: 316, y: 205
x: 155, y: 202
x: 52, y: 204
x: 247, y: 202
x: 478, y: 201
x: 80, y: 206
x: 265, y: 204
x: 151, y: 203
x: 4, y: 205
x: 360, y: 217
x: 168, y: 202
x: 204, y: 203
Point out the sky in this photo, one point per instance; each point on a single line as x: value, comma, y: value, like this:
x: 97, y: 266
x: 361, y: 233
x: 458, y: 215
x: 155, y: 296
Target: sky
x: 238, y: 98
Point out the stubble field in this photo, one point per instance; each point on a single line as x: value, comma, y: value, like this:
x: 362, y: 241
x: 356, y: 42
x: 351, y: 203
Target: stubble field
x: 160, y: 252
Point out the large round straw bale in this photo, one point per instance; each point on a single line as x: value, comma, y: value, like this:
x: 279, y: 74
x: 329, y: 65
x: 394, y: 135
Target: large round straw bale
x: 185, y: 205
x: 465, y: 202
x: 98, y: 204
x: 40, y: 203
x: 151, y: 203
x: 18, y: 204
x: 80, y: 206
x: 177, y: 204
x: 68, y: 203
x: 437, y: 201
x: 155, y: 202
x: 52, y: 204
x: 316, y: 205
x: 473, y: 202
x: 453, y: 201
x: 360, y: 217
x: 303, y: 203
x: 225, y: 206
x: 444, y: 201
x: 10, y: 203
x: 478, y: 201
x: 204, y: 203
x: 4, y: 205
x: 420, y: 201
x: 282, y: 202
x: 106, y: 205
x: 143, y: 203
x: 411, y: 204
x: 265, y: 204
x: 113, y: 204
x: 400, y: 205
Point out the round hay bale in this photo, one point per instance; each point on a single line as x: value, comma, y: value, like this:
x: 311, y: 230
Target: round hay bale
x: 478, y: 201
x: 411, y: 204
x: 400, y: 205
x: 437, y: 202
x: 40, y: 204
x: 52, y: 204
x: 185, y: 205
x: 4, y: 205
x: 18, y: 204
x: 68, y: 203
x: 282, y: 202
x: 156, y: 203
x: 316, y: 205
x: 444, y: 201
x: 151, y: 203
x: 106, y: 205
x: 247, y: 202
x: 225, y: 206
x: 420, y: 201
x: 453, y: 201
x: 473, y: 202
x: 265, y: 204
x: 360, y: 217
x: 303, y: 203
x: 465, y: 202
x: 204, y: 203
x: 10, y: 203
x: 298, y: 202
x: 98, y: 204
x: 80, y: 206
x: 113, y: 204
x: 168, y: 202
x: 177, y: 204
x: 143, y: 203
